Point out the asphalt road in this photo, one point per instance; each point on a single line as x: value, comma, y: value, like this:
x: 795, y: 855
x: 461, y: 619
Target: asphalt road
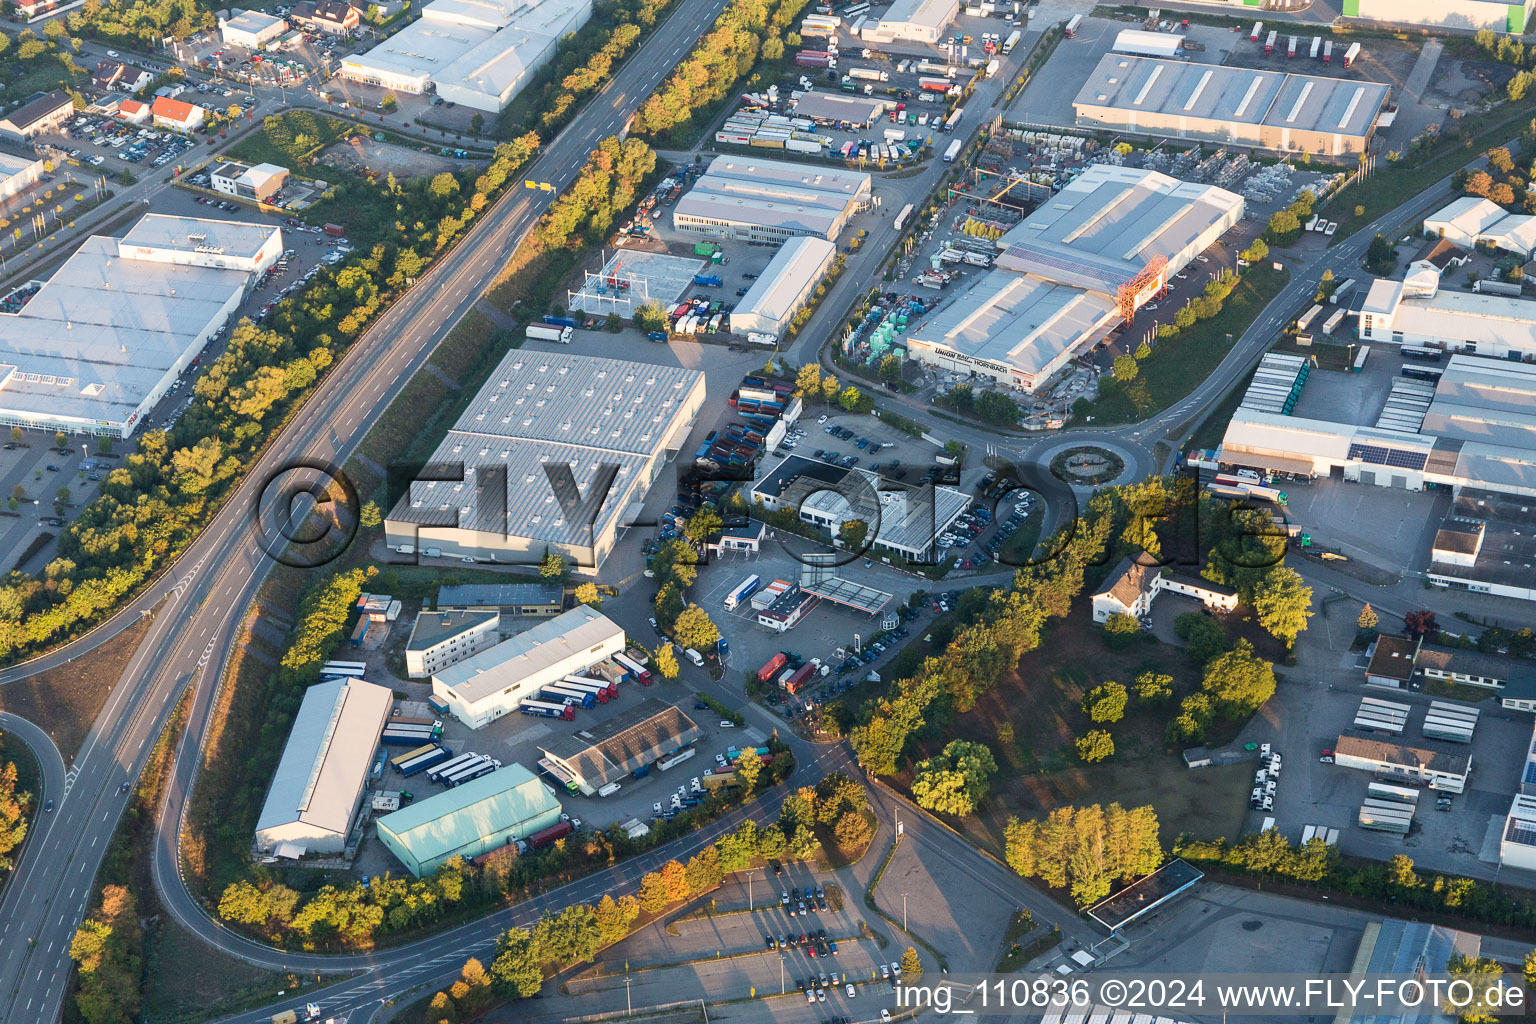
x: 195, y: 629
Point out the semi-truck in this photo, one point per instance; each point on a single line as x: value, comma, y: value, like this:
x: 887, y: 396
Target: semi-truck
x: 1350, y: 54
x: 469, y: 772
x: 1317, y: 46
x: 720, y: 779
x: 928, y: 84
x: 1328, y: 52
x: 675, y: 759
x: 421, y: 762
x: 544, y: 709
x: 1344, y: 288
x: 408, y: 735
x: 543, y: 838
x: 815, y: 59
x: 1258, y: 29
x: 453, y: 764
x: 1290, y: 50
x: 549, y: 332
x: 399, y: 759
x: 1269, y: 42
x: 772, y: 668
x: 554, y: 692
x: 800, y: 677
x: 951, y: 151
x: 1012, y: 40
x: 1073, y: 26
x: 639, y: 671
x: 870, y: 74
x: 707, y: 280
x: 601, y: 691
x: 745, y: 589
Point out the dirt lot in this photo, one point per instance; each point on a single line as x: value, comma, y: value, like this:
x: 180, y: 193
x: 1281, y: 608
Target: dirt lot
x: 364, y: 155
x: 1040, y: 770
x: 64, y: 701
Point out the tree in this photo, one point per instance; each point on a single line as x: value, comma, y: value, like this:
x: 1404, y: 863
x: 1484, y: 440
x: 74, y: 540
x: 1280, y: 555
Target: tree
x: 515, y: 970
x: 1239, y: 682
x: 18, y: 435
x: 19, y: 493
x: 552, y: 566
x: 1105, y: 702
x: 1485, y: 976
x: 1121, y: 628
x: 1420, y: 624
x: 1126, y: 368
x: 808, y: 381
x: 1400, y: 872
x: 1095, y: 745
x: 477, y: 123
x: 1367, y: 619
x: 1086, y: 849
x: 1283, y: 224
x: 694, y: 628
x: 1380, y: 256
x: 60, y: 439
x: 651, y: 317
x: 1143, y: 352
x: 890, y: 369
x: 850, y: 398
x: 748, y: 770
x: 1201, y: 634
x: 955, y: 781
x: 852, y: 532
x: 702, y: 525
x: 911, y: 965
x: 589, y: 595
x: 1283, y: 604
x: 1153, y: 687
x: 1478, y: 183
x: 14, y: 807
x: 61, y: 496
x: 1500, y: 160
x: 997, y: 408
x: 1257, y: 251
x: 369, y: 517
x: 665, y: 660
x: 852, y: 830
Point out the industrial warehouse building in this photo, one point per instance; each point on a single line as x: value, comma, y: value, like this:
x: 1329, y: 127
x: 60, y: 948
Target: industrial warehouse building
x: 1083, y: 262
x: 903, y: 520
x: 1469, y: 221
x: 783, y: 287
x: 1422, y: 764
x: 1232, y: 106
x: 1478, y: 431
x: 477, y: 817
x: 628, y: 742
x: 512, y: 600
x: 913, y: 21
x: 251, y: 29
x: 487, y: 685
x: 1416, y: 311
x: 323, y: 773
x: 1512, y: 16
x: 1486, y: 545
x: 107, y: 335
x: 19, y: 173
x: 742, y: 198
x: 446, y: 636
x: 555, y: 454
x: 476, y: 52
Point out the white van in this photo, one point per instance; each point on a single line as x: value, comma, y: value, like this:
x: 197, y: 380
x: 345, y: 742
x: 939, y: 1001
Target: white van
x: 609, y: 790
x: 695, y: 657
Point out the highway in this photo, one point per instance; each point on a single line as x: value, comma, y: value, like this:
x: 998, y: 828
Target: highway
x: 203, y: 600
x: 205, y: 596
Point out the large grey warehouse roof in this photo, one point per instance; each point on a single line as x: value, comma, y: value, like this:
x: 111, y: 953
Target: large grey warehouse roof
x: 1485, y: 400
x: 1021, y: 320
x: 1106, y: 225
x: 1173, y: 89
x: 198, y: 235
x: 786, y: 278
x: 498, y: 595
x: 832, y: 106
x: 800, y: 196
x: 539, y: 410
x: 105, y: 330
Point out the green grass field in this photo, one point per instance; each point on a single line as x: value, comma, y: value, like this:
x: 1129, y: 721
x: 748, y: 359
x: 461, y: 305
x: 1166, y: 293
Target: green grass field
x: 1178, y: 364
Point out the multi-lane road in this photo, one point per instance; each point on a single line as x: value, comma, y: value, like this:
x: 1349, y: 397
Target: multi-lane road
x: 200, y: 604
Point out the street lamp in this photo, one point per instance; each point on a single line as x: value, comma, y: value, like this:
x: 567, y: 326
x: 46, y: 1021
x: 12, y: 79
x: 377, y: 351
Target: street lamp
x: 903, y: 911
x: 629, y: 1007
x: 750, y: 876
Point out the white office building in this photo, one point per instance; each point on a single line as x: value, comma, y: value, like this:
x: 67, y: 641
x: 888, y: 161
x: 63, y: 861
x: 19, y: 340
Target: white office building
x: 107, y: 335
x: 784, y: 287
x: 1071, y: 271
x: 1469, y: 221
x: 251, y: 29
x: 446, y: 636
x: 323, y: 773
x: 19, y: 173
x: 485, y: 686
x: 913, y: 21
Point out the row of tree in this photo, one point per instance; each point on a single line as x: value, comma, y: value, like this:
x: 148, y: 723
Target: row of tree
x: 15, y: 808
x: 108, y: 951
x: 1085, y: 849
x: 745, y: 30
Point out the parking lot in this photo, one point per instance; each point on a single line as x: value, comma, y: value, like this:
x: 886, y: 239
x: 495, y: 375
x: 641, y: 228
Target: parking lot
x: 32, y: 472
x: 107, y: 144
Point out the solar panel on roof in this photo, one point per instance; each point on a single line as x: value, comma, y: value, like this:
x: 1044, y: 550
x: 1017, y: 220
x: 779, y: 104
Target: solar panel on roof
x: 1530, y: 772
x: 1383, y: 456
x: 1520, y: 832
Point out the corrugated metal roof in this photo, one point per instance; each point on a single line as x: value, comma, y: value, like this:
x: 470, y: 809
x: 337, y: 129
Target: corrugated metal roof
x: 784, y: 282
x: 326, y: 760
x: 531, y: 651
x: 444, y: 824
